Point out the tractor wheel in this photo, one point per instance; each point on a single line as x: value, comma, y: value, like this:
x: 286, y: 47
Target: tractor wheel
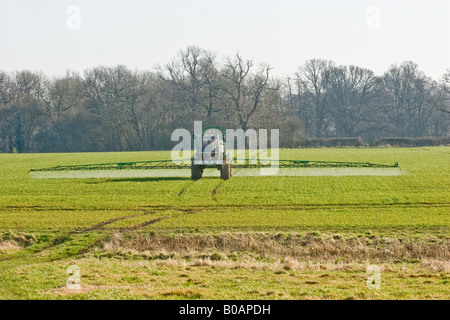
x: 196, y: 172
x: 225, y: 171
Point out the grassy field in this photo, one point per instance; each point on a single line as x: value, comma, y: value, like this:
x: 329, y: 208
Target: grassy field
x: 309, y: 237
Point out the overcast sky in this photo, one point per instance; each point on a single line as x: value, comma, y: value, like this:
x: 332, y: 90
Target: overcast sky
x: 41, y: 35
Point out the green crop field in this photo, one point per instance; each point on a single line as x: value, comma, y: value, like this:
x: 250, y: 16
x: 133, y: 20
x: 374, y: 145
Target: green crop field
x: 296, y: 237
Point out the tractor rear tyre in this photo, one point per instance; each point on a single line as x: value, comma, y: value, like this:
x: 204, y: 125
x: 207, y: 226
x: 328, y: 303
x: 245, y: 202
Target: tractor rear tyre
x: 225, y: 171
x: 196, y: 172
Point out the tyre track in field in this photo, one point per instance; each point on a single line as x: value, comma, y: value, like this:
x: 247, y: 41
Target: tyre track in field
x: 102, y: 239
x: 147, y: 211
x: 50, y: 208
x: 188, y: 210
x: 185, y: 188
x: 144, y: 224
x: 159, y: 208
x: 127, y: 229
x: 213, y: 193
x: 104, y: 223
x: 302, y: 207
x: 197, y: 209
x: 62, y: 239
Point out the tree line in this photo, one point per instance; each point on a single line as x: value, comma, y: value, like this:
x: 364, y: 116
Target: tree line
x: 119, y: 109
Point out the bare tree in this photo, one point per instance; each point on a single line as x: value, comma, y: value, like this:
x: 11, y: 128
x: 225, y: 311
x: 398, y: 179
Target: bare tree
x: 58, y: 101
x: 446, y: 90
x: 412, y: 99
x: 108, y: 91
x: 244, y: 88
x: 7, y: 94
x: 194, y: 75
x: 350, y: 94
x: 8, y: 89
x: 312, y: 86
x: 446, y: 81
x: 18, y: 109
x: 115, y: 108
x: 145, y: 110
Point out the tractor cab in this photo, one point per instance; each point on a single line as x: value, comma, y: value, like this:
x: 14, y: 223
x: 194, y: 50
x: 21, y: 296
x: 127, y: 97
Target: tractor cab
x: 212, y: 147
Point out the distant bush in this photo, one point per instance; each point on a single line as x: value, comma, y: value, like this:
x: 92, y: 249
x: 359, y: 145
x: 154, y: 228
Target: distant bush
x: 331, y: 142
x: 413, y: 142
